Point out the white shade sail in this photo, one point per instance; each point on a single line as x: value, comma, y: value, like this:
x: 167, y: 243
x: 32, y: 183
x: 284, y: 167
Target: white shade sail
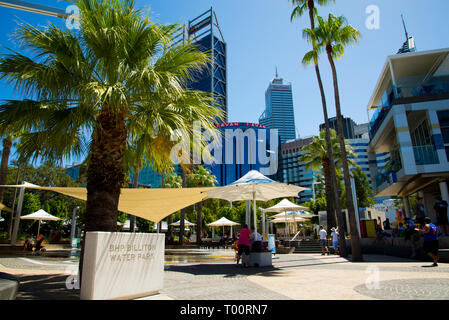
x: 223, y: 222
x: 40, y: 215
x: 285, y: 205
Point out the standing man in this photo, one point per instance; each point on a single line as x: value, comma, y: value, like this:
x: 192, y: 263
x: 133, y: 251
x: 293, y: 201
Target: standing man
x: 420, y: 212
x: 441, y: 212
x: 430, y: 240
x: 323, y: 241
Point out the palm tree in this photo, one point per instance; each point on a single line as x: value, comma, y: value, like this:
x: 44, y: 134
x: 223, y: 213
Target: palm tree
x: 202, y: 178
x: 300, y: 8
x: 117, y: 76
x: 333, y: 35
x: 317, y: 157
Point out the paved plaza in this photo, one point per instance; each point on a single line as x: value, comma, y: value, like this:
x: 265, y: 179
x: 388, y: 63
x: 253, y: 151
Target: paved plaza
x: 214, y: 276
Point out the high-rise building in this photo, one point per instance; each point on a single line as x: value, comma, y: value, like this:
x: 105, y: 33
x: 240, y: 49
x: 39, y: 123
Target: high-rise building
x: 348, y: 127
x: 245, y: 147
x: 279, y: 112
x: 204, y: 31
x: 293, y: 171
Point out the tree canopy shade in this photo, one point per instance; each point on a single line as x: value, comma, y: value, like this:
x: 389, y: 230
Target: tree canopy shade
x: 116, y: 78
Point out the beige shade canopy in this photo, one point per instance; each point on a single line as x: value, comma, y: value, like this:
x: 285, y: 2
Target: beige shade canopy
x: 149, y: 204
x: 4, y: 208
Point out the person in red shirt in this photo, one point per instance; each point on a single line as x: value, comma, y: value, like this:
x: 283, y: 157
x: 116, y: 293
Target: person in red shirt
x: 244, y: 243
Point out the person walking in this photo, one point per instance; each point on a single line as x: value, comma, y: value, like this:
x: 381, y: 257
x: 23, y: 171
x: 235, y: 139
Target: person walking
x: 430, y: 240
x: 323, y: 241
x: 244, y: 243
x: 334, y: 236
x: 440, y: 209
x: 420, y: 211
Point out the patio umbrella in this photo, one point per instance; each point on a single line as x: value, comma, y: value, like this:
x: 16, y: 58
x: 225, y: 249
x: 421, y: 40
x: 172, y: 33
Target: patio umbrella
x: 40, y: 215
x: 285, y: 205
x: 186, y: 223
x: 287, y: 219
x: 254, y: 186
x: 223, y: 222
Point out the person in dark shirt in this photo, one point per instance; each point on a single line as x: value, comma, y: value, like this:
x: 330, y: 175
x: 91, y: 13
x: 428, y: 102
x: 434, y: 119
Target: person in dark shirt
x: 431, y: 244
x: 441, y: 212
x: 420, y: 211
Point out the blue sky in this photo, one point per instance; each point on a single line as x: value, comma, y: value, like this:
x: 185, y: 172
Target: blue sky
x: 260, y: 36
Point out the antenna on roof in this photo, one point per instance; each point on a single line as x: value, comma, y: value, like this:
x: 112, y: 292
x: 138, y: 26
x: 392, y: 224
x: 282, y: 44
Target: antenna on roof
x: 405, y: 28
x: 277, y: 72
x: 409, y: 44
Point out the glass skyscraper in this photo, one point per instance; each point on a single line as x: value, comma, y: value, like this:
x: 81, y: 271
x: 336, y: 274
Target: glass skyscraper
x: 279, y: 112
x: 204, y: 31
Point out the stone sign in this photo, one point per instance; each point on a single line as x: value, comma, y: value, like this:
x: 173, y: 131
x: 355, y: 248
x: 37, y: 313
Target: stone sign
x: 119, y: 265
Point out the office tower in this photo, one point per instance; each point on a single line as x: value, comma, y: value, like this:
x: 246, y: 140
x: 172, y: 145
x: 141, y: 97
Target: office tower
x: 241, y: 149
x: 204, y: 31
x: 293, y: 171
x: 348, y: 127
x: 279, y: 112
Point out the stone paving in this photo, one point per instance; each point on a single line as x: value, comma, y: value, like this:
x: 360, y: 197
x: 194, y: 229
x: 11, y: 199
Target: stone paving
x: 293, y: 276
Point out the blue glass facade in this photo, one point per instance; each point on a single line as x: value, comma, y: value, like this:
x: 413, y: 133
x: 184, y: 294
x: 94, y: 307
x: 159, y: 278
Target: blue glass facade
x: 205, y: 33
x: 279, y: 113
x: 238, y: 158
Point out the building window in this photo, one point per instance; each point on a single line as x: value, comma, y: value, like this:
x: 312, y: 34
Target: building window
x: 443, y: 118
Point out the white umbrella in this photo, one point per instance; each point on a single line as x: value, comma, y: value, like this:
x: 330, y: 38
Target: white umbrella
x: 186, y: 223
x: 223, y: 222
x: 285, y: 205
x: 254, y: 186
x: 40, y: 215
x: 299, y: 214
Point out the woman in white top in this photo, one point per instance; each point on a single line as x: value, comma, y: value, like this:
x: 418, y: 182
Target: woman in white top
x: 334, y: 236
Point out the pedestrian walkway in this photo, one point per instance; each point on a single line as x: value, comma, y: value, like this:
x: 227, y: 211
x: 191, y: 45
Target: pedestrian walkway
x: 292, y: 277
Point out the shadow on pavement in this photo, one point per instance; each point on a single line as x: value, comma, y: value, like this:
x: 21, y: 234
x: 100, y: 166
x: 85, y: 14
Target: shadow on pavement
x: 45, y: 287
x: 228, y: 270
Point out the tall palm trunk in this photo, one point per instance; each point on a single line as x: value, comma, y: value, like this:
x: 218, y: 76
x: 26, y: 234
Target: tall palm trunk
x: 11, y: 216
x: 105, y: 175
x: 340, y: 221
x: 199, y: 223
x: 132, y: 218
x: 330, y: 205
x: 183, y: 211
x: 7, y: 143
x: 355, y: 241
